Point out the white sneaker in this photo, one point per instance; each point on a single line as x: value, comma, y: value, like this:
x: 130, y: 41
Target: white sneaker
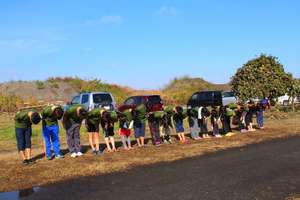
x: 79, y: 153
x: 73, y: 155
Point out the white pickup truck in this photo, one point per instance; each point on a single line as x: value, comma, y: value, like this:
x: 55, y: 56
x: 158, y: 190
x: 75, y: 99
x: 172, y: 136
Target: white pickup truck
x: 286, y: 100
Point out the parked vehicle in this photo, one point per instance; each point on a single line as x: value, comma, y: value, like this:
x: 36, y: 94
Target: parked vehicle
x: 93, y: 100
x: 287, y: 100
x: 205, y: 98
x: 132, y: 102
x: 228, y: 97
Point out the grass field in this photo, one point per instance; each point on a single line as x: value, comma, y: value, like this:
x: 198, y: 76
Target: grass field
x: 14, y: 176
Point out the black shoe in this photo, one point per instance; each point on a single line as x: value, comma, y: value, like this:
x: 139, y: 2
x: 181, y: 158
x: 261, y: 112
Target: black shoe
x: 25, y: 162
x: 98, y: 153
x: 31, y: 161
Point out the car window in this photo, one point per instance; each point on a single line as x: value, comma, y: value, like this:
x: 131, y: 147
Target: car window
x: 129, y: 101
x: 194, y: 97
x: 139, y: 100
x: 154, y: 99
x: 205, y: 96
x: 228, y: 94
x: 76, y: 100
x: 85, y: 98
x: 102, y: 98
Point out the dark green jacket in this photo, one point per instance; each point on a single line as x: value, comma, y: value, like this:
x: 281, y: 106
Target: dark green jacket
x: 94, y: 116
x: 140, y: 114
x: 48, y: 116
x: 71, y: 114
x: 22, y: 119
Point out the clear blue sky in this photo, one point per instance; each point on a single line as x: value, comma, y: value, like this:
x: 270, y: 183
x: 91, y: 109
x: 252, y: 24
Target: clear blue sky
x: 143, y: 44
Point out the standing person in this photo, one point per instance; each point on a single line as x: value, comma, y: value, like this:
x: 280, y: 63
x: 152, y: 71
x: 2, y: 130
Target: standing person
x: 23, y: 122
x: 139, y: 121
x: 225, y: 116
x: 261, y: 107
x: 167, y: 124
x: 108, y: 119
x: 92, y: 126
x: 125, y: 123
x: 179, y: 116
x: 193, y: 123
x: 154, y: 121
x: 251, y: 110
x: 72, y: 120
x: 50, y: 115
x: 215, y: 119
x: 203, y: 115
x: 240, y: 117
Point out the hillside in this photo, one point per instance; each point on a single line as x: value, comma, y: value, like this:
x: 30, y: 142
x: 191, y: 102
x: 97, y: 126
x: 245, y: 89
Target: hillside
x: 180, y: 89
x: 14, y: 95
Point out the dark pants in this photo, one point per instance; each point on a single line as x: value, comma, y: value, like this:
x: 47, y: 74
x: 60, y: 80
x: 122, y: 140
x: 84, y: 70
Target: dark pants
x: 154, y: 130
x: 23, y: 136
x: 226, y: 125
x: 203, y: 126
x: 216, y: 128
x: 73, y: 138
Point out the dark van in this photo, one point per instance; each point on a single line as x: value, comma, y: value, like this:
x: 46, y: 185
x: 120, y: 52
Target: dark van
x: 205, y: 98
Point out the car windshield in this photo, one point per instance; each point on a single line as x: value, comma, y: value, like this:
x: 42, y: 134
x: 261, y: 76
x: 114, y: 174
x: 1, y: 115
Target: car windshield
x: 228, y: 94
x: 154, y: 99
x: 102, y: 98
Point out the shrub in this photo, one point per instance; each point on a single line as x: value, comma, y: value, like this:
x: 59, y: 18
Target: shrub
x: 40, y: 85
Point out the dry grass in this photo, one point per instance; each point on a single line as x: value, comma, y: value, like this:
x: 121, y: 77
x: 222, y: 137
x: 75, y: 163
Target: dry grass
x: 14, y: 176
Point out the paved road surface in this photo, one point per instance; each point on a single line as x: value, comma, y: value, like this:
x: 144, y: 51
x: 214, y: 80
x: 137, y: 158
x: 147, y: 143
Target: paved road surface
x: 268, y: 170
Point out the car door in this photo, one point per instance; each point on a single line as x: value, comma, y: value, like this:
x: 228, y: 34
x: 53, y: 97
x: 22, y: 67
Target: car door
x: 85, y: 100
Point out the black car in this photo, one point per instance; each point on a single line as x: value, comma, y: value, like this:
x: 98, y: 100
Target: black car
x: 205, y: 98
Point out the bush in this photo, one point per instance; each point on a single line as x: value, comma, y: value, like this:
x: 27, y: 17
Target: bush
x: 9, y: 103
x: 40, y: 85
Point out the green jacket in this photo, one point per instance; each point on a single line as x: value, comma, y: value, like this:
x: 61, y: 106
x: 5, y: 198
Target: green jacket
x: 94, y: 116
x: 71, y: 114
x: 48, y: 116
x: 140, y: 113
x: 22, y: 119
x: 158, y: 114
x: 169, y: 111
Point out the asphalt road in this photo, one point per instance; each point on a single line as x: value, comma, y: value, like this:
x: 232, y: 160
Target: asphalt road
x: 269, y: 170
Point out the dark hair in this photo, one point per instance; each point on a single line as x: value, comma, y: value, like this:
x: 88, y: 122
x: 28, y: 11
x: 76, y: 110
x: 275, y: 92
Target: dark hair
x: 59, y: 112
x: 179, y: 109
x: 35, y: 117
x: 83, y: 113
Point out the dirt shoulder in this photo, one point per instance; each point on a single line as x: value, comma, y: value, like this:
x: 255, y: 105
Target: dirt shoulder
x: 14, y: 176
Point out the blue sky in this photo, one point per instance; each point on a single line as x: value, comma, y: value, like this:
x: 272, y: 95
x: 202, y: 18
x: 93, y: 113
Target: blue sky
x: 144, y: 44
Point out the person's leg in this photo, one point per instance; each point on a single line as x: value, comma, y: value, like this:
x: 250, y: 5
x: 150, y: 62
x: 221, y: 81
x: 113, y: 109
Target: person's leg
x: 20, y: 136
x: 55, y: 140
x: 124, y: 142
x: 136, y: 131
x: 91, y: 140
x: 46, y: 135
x: 152, y: 132
x: 142, y: 135
x: 70, y: 140
x: 77, y: 139
x: 28, y: 134
x: 129, y: 142
x: 112, y: 141
x: 96, y: 140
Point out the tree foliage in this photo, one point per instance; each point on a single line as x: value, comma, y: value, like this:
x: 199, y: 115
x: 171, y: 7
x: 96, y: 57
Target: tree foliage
x: 260, y: 77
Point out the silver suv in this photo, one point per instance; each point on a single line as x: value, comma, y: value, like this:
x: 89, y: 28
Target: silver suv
x: 93, y: 100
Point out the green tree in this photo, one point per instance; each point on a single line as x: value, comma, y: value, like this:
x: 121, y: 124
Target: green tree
x: 260, y: 77
x: 293, y: 89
